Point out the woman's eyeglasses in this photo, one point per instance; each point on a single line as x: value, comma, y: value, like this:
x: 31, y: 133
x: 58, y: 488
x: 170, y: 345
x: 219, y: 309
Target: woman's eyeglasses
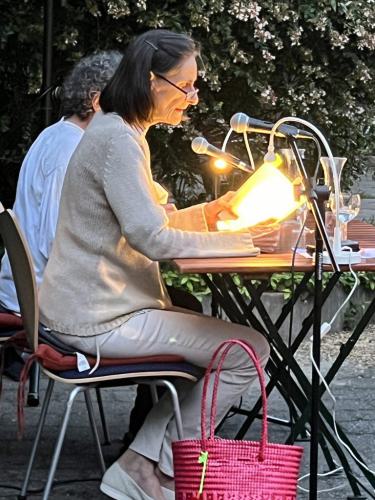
x: 190, y: 95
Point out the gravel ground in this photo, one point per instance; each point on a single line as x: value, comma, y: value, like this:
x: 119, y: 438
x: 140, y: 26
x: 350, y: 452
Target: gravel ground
x: 353, y: 388
x: 362, y: 355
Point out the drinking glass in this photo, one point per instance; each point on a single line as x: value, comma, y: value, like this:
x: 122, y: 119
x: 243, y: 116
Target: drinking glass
x: 328, y: 175
x: 350, y: 205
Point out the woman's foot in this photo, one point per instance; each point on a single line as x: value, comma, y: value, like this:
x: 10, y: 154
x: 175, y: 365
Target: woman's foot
x: 165, y: 481
x: 142, y: 471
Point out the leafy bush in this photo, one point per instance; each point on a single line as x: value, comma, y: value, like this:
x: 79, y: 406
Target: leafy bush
x: 269, y: 59
x: 279, y: 282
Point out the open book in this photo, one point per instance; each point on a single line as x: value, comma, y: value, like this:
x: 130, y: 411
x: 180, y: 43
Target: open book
x: 268, y: 195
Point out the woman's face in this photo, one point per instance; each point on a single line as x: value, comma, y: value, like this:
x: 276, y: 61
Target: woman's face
x: 170, y: 102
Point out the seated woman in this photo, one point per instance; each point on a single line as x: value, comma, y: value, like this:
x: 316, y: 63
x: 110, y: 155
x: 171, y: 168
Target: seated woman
x: 102, y: 290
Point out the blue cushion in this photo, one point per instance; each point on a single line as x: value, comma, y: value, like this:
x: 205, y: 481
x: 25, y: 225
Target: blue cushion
x: 8, y: 333
x: 103, y: 371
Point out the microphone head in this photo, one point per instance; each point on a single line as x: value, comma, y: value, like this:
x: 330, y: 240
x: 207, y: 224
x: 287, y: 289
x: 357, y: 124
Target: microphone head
x: 239, y: 122
x: 199, y: 145
x: 57, y: 93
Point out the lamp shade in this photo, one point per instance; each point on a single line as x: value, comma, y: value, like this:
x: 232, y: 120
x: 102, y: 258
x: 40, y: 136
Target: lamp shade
x: 267, y: 195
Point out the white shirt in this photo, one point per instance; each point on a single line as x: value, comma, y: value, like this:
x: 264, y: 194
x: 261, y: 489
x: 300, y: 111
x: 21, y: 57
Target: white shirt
x: 38, y: 198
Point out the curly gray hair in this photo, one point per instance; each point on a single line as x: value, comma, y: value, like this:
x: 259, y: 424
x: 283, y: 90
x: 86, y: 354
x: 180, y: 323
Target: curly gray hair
x: 89, y: 75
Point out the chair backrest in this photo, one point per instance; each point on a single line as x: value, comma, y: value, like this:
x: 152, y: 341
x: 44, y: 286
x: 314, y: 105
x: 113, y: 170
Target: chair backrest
x: 23, y: 273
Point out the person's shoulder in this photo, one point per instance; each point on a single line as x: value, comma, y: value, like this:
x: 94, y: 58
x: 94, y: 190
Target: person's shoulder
x: 110, y: 128
x: 111, y: 124
x: 58, y: 145
x: 47, y: 133
x: 57, y: 136
x: 106, y: 122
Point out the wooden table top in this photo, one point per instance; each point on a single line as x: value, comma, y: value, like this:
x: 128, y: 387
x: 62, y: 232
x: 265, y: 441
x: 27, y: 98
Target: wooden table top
x: 359, y: 231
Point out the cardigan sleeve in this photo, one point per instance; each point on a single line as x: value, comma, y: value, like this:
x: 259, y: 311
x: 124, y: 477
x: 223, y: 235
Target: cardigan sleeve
x: 189, y: 219
x: 144, y: 223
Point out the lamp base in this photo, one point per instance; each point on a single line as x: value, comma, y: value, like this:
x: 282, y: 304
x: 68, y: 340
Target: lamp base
x: 343, y: 258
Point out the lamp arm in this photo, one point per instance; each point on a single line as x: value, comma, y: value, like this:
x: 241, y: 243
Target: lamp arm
x: 249, y: 154
x: 225, y: 142
x: 271, y: 148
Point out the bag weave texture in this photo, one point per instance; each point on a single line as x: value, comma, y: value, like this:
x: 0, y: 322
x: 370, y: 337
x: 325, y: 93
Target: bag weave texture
x: 212, y: 468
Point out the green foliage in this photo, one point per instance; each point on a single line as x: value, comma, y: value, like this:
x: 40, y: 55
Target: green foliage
x: 312, y: 59
x: 282, y: 282
x: 192, y: 283
x: 279, y: 282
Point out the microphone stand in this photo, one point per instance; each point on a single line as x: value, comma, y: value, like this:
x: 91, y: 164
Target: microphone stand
x: 317, y: 195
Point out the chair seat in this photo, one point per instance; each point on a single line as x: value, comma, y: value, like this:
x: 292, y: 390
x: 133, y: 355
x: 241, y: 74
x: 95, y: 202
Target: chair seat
x: 64, y: 366
x: 135, y: 369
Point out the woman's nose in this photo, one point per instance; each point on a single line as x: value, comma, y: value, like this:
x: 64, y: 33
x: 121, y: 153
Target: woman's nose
x: 193, y: 98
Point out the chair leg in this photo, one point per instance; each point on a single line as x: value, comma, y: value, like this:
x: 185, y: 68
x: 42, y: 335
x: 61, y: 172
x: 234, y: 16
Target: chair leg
x: 34, y: 377
x: 106, y: 437
x: 154, y: 394
x: 60, y: 440
x: 42, y: 419
x: 94, y: 429
x: 176, y: 406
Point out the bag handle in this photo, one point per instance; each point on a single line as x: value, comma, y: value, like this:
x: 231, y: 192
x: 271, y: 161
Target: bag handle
x: 223, y: 350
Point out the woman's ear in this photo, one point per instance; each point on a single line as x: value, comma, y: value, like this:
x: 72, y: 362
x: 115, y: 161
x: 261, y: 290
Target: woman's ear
x: 95, y: 102
x: 152, y: 81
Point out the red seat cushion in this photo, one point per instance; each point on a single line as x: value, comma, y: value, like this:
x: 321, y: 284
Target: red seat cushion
x: 9, y: 321
x: 54, y: 360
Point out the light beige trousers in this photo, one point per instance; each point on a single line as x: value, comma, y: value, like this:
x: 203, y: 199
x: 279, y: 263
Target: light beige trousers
x: 195, y: 337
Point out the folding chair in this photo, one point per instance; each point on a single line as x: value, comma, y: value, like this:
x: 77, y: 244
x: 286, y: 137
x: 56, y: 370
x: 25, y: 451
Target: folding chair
x: 147, y: 370
x: 10, y: 325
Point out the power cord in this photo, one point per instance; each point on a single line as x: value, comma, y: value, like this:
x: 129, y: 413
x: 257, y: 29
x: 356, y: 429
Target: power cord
x: 325, y: 474
x: 325, y: 328
x: 331, y: 395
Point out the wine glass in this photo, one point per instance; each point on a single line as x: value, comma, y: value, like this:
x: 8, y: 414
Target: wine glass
x: 350, y: 205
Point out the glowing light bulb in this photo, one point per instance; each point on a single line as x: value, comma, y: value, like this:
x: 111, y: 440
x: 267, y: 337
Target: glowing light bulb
x: 220, y: 164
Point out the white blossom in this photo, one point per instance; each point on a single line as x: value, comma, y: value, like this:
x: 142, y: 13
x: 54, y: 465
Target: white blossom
x: 244, y: 11
x: 295, y: 35
x: 338, y: 39
x: 267, y: 56
x: 268, y: 95
x: 118, y: 8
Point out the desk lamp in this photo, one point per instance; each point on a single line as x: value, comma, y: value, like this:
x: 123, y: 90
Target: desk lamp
x: 268, y: 195
x: 316, y: 196
x: 332, y: 179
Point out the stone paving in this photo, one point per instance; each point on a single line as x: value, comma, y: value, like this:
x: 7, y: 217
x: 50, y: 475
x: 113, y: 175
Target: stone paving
x: 353, y: 388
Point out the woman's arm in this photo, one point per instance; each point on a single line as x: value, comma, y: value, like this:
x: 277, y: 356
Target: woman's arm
x: 202, y: 217
x: 130, y: 192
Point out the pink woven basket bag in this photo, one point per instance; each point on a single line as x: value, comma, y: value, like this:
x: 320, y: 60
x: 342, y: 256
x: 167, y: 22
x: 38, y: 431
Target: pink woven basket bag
x: 225, y: 469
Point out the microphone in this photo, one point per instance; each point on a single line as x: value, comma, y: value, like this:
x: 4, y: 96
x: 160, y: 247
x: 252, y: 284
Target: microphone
x: 57, y: 93
x: 202, y: 147
x: 242, y: 123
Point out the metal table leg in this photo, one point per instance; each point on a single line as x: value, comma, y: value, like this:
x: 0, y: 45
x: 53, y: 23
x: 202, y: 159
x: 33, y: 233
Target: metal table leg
x: 237, y: 313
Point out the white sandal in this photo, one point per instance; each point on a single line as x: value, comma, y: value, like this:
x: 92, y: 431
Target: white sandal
x: 168, y: 494
x: 117, y: 484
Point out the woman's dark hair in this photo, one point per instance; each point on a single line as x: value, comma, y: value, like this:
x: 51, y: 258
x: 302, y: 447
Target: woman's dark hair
x: 128, y: 93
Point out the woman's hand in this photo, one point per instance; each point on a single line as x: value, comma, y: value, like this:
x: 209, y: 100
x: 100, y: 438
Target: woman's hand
x: 266, y: 236
x: 170, y: 208
x: 213, y: 208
